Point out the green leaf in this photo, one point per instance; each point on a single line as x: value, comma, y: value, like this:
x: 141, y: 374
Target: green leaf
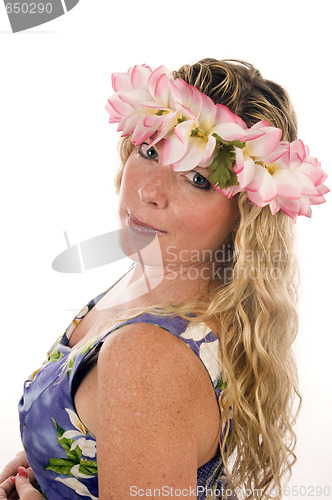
x: 74, y: 454
x: 87, y: 349
x: 66, y: 444
x: 222, y: 174
x: 60, y: 465
x: 55, y: 355
x: 60, y: 431
x: 221, y: 384
x: 237, y: 144
x: 88, y: 467
x: 70, y: 366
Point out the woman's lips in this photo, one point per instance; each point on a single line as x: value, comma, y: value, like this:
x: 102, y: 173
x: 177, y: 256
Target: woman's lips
x: 141, y: 227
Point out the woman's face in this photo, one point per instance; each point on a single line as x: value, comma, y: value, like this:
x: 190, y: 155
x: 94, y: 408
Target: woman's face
x: 187, y: 216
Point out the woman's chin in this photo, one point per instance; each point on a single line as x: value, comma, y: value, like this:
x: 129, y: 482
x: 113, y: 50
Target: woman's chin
x: 141, y: 247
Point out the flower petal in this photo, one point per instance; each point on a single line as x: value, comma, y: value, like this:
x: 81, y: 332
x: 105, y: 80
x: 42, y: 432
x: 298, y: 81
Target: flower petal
x: 305, y: 208
x: 207, y: 114
x: 173, y: 150
x: 230, y: 191
x: 161, y: 93
x: 119, y: 106
x: 114, y: 115
x: 209, y: 148
x: 290, y: 207
x: 121, y: 82
x: 306, y: 185
x: 287, y: 183
x: 75, y: 472
x: 266, y: 144
x: 154, y: 77
x: 71, y: 434
x: 229, y: 131
x: 139, y: 76
x: 192, y: 157
x: 274, y: 206
x: 75, y: 484
x: 76, y: 421
x: 247, y: 173
x: 239, y: 162
x: 224, y: 115
x: 315, y: 174
x: 255, y: 197
x: 196, y: 101
x: 185, y: 91
x: 264, y: 183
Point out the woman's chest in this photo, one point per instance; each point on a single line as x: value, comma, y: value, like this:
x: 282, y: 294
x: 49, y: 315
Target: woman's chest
x: 93, y: 323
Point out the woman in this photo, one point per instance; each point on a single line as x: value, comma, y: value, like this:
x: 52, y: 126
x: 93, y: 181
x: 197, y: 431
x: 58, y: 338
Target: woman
x: 211, y: 239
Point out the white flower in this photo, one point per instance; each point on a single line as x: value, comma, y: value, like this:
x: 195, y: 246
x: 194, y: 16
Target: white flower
x: 77, y: 424
x: 79, y: 488
x: 209, y: 354
x: 208, y: 351
x: 196, y: 332
x: 75, y: 472
x: 87, y: 446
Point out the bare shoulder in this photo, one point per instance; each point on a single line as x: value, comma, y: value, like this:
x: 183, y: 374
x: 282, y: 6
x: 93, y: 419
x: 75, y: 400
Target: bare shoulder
x: 157, y: 398
x: 147, y: 354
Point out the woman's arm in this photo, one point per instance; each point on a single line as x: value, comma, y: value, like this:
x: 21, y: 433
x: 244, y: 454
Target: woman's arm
x: 155, y: 402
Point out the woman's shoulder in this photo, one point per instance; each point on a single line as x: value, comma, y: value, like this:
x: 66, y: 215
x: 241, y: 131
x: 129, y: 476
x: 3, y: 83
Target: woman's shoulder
x: 145, y: 355
x: 150, y: 347
x: 167, y: 339
x: 144, y: 370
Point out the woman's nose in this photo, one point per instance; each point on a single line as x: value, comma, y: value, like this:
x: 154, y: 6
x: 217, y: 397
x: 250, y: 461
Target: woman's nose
x: 154, y: 190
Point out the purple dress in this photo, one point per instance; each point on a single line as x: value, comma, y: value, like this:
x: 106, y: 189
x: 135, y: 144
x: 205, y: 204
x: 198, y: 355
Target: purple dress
x: 60, y: 450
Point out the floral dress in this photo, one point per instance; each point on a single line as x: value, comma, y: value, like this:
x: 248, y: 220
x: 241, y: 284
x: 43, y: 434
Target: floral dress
x: 60, y: 450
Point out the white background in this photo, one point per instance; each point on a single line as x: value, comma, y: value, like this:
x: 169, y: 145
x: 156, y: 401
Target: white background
x: 58, y: 158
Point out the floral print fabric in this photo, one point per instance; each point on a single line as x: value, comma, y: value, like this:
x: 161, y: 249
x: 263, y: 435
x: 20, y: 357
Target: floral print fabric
x: 60, y: 450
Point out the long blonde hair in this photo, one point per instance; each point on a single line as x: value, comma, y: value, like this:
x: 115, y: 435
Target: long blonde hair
x: 254, y: 311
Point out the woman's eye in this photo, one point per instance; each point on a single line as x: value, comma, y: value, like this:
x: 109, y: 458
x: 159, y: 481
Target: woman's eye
x: 198, y: 180
x: 149, y: 153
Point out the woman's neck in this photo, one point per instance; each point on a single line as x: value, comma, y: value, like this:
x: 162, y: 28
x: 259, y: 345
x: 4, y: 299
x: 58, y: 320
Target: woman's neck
x: 144, y: 286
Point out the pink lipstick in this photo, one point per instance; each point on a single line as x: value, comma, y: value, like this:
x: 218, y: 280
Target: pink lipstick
x: 141, y: 227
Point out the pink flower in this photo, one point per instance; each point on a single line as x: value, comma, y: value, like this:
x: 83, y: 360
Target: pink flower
x: 193, y: 141
x: 144, y: 103
x: 281, y: 174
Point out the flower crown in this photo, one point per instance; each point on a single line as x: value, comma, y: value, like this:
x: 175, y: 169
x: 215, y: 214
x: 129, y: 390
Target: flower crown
x: 152, y: 105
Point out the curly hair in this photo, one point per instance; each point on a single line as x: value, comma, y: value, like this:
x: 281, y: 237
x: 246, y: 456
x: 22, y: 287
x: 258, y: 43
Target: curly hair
x: 254, y: 312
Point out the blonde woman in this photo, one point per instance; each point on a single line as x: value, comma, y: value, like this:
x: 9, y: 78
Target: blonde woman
x: 179, y: 380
